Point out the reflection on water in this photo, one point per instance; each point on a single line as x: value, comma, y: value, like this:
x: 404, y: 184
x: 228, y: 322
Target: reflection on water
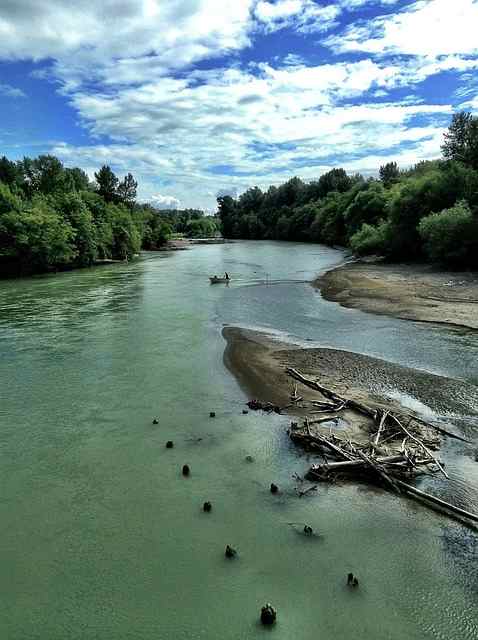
x: 102, y: 537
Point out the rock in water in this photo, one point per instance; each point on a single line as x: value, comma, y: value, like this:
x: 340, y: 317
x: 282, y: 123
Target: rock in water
x: 308, y: 530
x: 169, y: 444
x: 268, y: 614
x: 186, y: 470
x: 212, y: 414
x: 155, y: 421
x: 230, y: 552
x: 274, y: 488
x: 207, y: 506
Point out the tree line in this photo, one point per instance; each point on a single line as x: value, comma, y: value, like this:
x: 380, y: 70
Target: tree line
x: 427, y: 212
x: 54, y: 217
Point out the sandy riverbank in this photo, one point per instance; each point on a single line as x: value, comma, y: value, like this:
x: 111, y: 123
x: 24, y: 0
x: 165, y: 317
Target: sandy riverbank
x: 410, y: 292
x: 258, y: 362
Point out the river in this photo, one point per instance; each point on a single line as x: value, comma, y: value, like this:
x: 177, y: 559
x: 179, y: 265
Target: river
x: 101, y: 536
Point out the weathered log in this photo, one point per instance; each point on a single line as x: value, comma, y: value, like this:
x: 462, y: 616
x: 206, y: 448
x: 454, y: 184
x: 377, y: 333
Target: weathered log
x: 441, y: 430
x: 331, y: 395
x: 380, y: 471
x: 420, y: 444
x: 327, y: 419
x: 441, y: 503
x: 352, y: 464
x: 380, y: 427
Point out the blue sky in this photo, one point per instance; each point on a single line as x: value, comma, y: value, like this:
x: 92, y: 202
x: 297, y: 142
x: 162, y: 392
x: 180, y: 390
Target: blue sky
x: 200, y: 97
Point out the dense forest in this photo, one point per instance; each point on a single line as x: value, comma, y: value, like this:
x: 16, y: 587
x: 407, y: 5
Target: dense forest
x: 428, y: 212
x: 54, y: 217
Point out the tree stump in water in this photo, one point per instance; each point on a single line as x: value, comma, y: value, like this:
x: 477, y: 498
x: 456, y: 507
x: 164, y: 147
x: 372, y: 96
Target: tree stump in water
x: 352, y: 580
x: 268, y: 614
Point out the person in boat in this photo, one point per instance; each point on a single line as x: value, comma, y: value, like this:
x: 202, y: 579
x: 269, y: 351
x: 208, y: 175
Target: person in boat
x: 226, y: 275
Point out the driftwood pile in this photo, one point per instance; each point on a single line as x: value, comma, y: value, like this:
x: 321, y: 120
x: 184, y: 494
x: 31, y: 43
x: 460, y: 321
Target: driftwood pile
x: 398, y: 450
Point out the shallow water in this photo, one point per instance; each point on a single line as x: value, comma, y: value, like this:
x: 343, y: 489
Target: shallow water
x: 101, y: 536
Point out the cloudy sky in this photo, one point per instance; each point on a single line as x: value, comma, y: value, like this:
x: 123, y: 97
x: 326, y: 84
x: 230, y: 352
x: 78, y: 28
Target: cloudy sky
x: 200, y: 97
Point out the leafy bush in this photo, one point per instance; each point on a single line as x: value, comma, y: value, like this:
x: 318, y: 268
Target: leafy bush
x: 371, y: 239
x: 451, y: 236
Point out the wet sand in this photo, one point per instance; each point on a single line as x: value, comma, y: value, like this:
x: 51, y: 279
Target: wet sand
x: 411, y: 292
x: 258, y: 362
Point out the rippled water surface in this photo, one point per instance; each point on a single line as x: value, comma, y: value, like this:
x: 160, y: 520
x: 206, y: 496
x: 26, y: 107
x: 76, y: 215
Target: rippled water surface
x: 101, y: 536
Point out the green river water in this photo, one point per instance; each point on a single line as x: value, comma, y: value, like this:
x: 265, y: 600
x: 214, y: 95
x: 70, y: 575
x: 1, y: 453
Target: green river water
x: 102, y: 538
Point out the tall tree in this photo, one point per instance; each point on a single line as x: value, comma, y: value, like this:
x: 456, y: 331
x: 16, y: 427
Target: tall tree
x: 44, y: 174
x: 107, y: 183
x: 461, y: 139
x: 8, y: 171
x: 127, y: 190
x: 389, y: 173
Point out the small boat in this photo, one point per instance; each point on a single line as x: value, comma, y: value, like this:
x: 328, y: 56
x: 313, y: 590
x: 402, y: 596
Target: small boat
x: 216, y: 280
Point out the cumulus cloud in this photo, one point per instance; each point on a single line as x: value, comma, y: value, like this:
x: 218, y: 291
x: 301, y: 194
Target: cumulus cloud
x: 85, y: 38
x: 129, y: 70
x: 164, y: 202
x: 430, y: 28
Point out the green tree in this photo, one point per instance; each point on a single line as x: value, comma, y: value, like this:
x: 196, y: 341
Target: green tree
x: 43, y: 175
x: 451, y: 236
x: 8, y: 172
x: 127, y: 190
x: 74, y: 211
x: 77, y: 178
x: 461, y: 139
x: 368, y: 206
x: 107, y: 184
x: 389, y: 174
x: 371, y: 239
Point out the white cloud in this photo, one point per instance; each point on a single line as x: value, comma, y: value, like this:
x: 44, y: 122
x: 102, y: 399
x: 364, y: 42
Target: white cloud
x: 85, y: 35
x: 429, y: 28
x: 127, y: 69
x: 303, y: 15
x: 165, y: 202
x: 11, y: 92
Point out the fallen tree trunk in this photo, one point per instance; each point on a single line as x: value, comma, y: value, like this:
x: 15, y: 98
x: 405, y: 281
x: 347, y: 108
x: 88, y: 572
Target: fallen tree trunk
x: 445, y: 505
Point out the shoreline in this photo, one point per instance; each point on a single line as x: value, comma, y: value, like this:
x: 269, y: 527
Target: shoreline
x: 258, y: 361
x: 407, y: 291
